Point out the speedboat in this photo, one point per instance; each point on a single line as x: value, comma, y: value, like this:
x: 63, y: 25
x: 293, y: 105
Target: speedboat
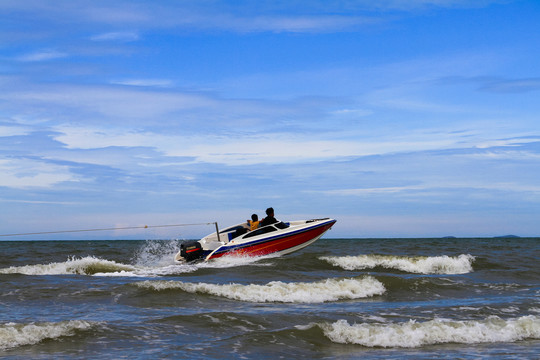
x: 279, y: 238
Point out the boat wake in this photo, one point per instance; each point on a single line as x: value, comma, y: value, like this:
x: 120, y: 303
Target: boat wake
x: 440, y: 331
x: 461, y: 264
x: 17, y: 334
x: 146, y: 263
x: 276, y: 291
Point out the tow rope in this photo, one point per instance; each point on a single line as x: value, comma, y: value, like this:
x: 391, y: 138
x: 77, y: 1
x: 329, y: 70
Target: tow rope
x: 108, y: 229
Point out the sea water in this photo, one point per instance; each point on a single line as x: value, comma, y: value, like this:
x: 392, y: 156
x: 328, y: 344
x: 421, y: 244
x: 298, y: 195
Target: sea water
x: 336, y: 299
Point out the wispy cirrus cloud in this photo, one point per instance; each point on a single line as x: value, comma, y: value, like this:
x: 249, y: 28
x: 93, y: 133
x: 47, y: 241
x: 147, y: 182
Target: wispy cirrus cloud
x: 220, y: 15
x: 511, y: 86
x: 437, y: 187
x: 493, y: 84
x: 420, y: 4
x: 243, y: 17
x: 145, y: 82
x: 109, y: 101
x: 121, y: 36
x: 43, y: 55
x: 295, y: 24
x: 149, y: 102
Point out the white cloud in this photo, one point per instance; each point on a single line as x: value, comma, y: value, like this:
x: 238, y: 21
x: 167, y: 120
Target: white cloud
x: 255, y: 149
x: 25, y: 173
x: 13, y: 130
x: 484, y: 144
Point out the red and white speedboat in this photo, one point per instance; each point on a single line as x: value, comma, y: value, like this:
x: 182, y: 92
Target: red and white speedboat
x: 279, y: 238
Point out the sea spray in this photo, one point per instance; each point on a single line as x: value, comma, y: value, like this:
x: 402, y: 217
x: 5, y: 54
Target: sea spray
x: 440, y: 331
x: 156, y: 253
x: 277, y: 291
x: 444, y: 264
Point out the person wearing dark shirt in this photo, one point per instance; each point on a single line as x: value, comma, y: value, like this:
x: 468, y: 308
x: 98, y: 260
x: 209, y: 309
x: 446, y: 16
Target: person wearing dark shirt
x: 269, y: 219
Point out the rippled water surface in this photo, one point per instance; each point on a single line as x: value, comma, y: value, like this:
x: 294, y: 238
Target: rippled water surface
x: 338, y: 298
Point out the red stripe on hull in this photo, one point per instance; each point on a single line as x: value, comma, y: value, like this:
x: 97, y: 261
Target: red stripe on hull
x: 279, y: 244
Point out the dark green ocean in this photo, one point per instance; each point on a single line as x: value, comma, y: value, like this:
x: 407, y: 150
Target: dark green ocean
x: 335, y: 299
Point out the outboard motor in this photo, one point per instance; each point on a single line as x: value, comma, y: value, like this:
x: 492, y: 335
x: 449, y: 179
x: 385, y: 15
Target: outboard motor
x: 191, y: 250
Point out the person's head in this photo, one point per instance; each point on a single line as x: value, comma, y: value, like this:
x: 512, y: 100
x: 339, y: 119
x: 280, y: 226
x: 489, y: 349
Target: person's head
x: 270, y: 211
x: 254, y: 217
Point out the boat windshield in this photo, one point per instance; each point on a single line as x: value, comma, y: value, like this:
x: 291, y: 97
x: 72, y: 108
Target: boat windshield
x: 263, y: 230
x: 232, y: 228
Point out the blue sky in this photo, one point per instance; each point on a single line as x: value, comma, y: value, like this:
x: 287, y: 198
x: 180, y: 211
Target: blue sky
x: 397, y: 118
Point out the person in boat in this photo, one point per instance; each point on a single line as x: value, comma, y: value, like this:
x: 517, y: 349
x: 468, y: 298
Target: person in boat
x: 254, y: 222
x: 269, y: 219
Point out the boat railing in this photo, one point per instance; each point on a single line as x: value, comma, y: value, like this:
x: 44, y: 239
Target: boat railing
x: 313, y: 220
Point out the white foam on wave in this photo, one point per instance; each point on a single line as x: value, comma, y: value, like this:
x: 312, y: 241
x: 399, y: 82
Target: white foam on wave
x: 229, y: 261
x: 412, y: 334
x: 277, y: 291
x: 461, y: 264
x: 154, y: 266
x: 16, y: 334
x: 88, y: 265
x: 151, y: 271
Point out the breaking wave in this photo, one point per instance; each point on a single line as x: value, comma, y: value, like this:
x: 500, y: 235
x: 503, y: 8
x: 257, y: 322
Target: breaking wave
x: 88, y: 265
x: 16, y: 334
x: 461, y: 264
x: 413, y: 334
x: 277, y: 291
